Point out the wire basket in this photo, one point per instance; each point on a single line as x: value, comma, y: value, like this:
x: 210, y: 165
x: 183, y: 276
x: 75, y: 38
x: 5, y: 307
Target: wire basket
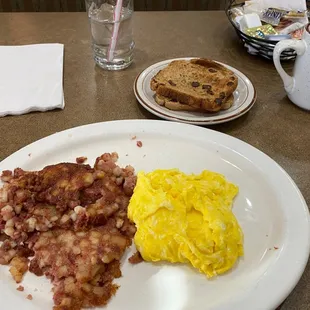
x: 256, y: 46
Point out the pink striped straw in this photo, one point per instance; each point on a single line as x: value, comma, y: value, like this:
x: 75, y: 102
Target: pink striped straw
x: 116, y: 19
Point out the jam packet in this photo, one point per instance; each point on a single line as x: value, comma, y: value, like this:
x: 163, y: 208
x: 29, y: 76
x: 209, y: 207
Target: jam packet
x: 284, y: 23
x: 290, y: 28
x: 236, y: 12
x: 273, y: 16
x: 297, y: 34
x: 295, y: 15
x: 236, y: 15
x: 261, y: 31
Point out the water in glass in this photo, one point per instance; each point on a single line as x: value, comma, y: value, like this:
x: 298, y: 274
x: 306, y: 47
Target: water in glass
x: 101, y: 15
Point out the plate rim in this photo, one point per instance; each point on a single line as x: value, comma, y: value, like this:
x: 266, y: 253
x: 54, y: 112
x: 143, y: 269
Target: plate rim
x: 297, y: 264
x: 162, y: 115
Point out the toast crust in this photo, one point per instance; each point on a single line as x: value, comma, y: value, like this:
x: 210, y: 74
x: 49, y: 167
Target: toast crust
x: 177, y: 106
x: 200, y: 83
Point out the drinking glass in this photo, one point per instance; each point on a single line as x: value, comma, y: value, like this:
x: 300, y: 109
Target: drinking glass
x: 111, y: 31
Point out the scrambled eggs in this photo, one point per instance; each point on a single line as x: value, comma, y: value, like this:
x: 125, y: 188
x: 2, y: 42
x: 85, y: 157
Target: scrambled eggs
x: 187, y: 219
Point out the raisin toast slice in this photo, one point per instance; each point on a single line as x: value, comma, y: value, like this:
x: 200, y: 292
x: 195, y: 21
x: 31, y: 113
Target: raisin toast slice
x: 199, y: 83
x: 178, y: 106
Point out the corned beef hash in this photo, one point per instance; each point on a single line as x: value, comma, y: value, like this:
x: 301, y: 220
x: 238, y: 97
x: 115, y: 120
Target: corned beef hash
x: 68, y: 222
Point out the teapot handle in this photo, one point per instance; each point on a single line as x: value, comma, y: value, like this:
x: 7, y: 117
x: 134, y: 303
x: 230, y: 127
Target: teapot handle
x: 300, y: 47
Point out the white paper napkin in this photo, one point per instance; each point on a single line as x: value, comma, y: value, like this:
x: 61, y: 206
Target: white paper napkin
x: 286, y: 4
x: 31, y: 78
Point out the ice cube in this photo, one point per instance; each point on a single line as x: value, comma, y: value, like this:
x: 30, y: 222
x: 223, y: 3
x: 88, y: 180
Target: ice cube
x: 103, y: 13
x: 100, y: 17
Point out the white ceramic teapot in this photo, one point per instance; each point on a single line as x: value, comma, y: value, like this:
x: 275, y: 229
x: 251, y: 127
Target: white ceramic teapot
x: 297, y: 86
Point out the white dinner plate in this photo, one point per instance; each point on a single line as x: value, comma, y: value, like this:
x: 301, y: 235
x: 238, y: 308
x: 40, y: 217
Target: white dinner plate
x: 269, y: 207
x: 244, y: 98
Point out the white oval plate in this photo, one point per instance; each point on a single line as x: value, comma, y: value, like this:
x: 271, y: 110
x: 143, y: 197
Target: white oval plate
x: 269, y: 207
x: 244, y: 98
